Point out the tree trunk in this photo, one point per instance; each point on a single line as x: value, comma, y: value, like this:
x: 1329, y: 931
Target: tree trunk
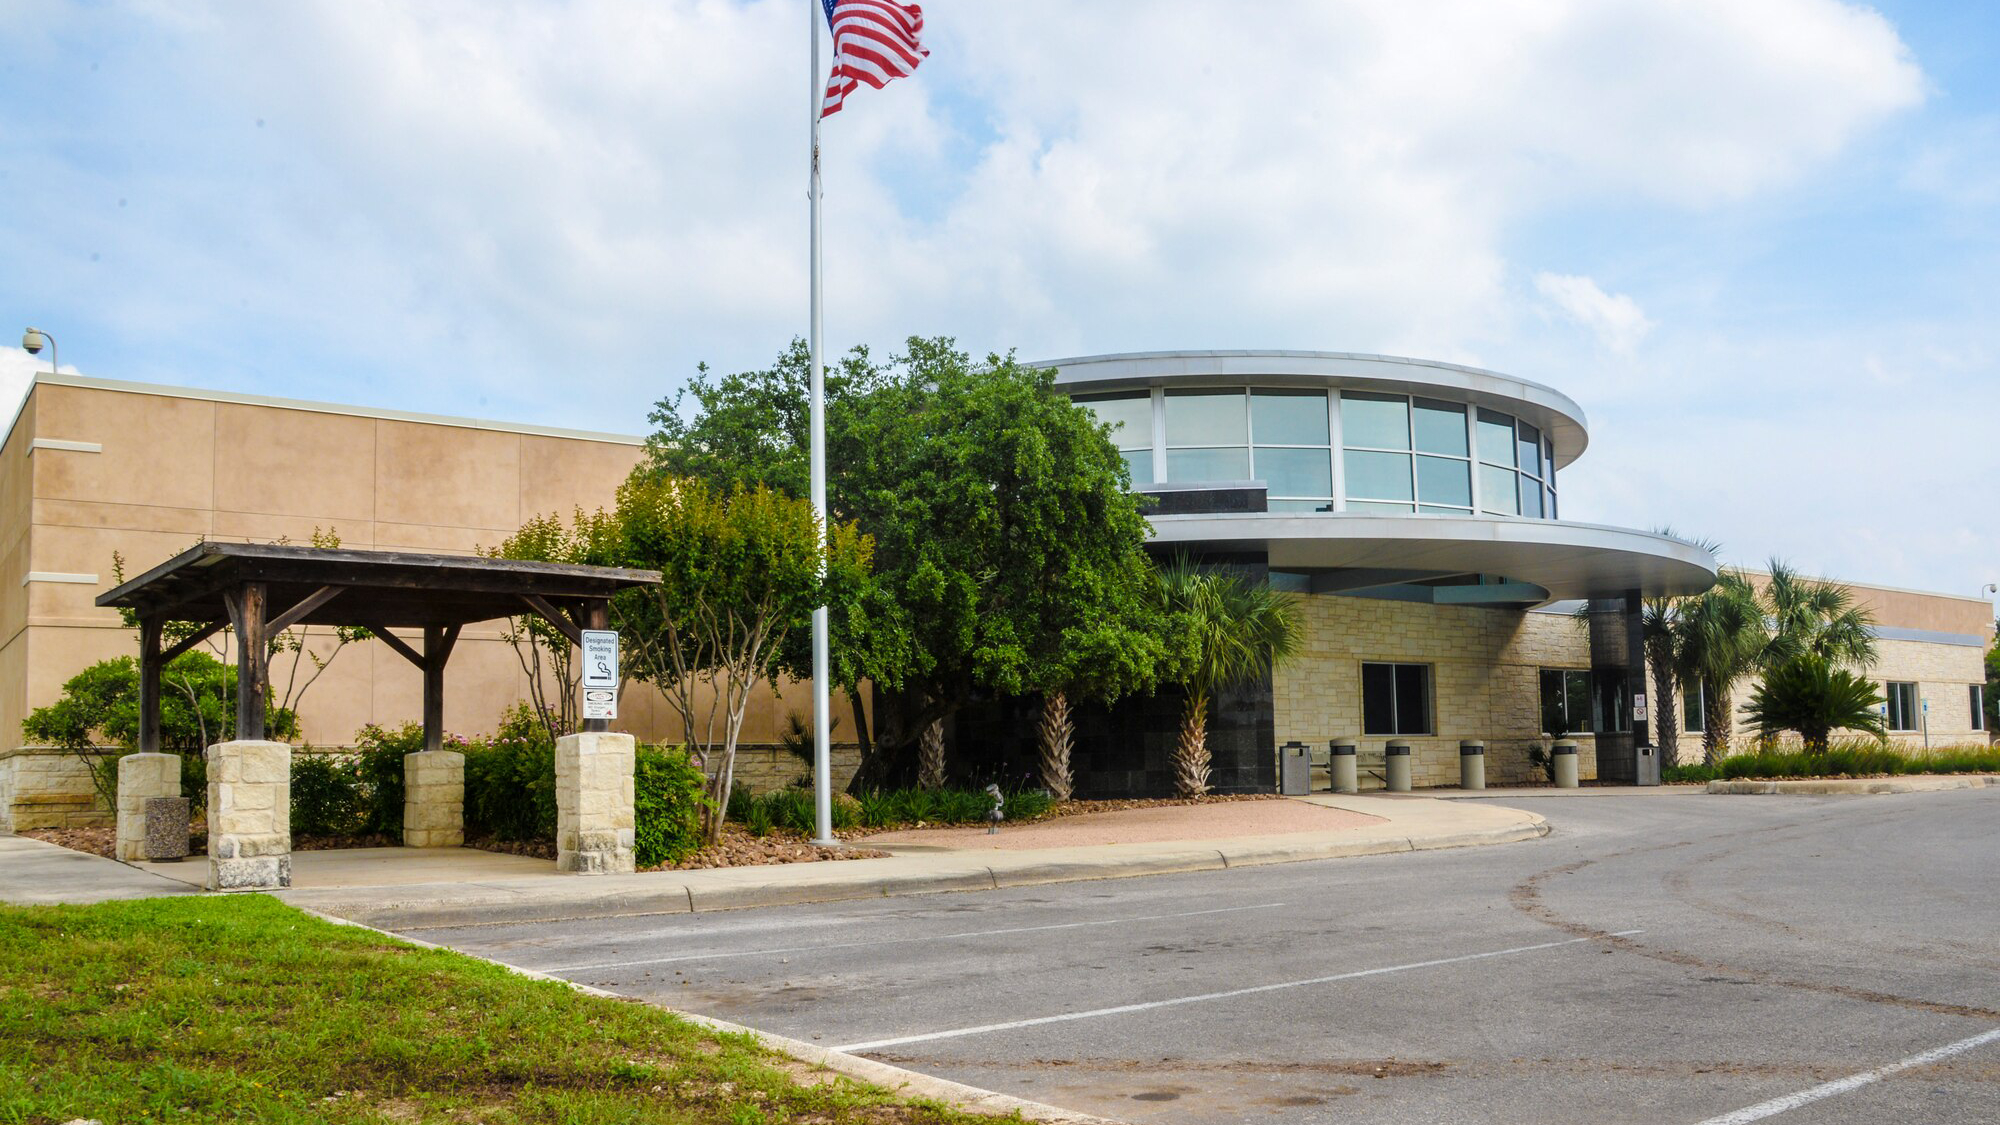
x: 861, y: 737
x: 930, y: 756
x: 1191, y: 754
x: 1666, y: 724
x: 1057, y: 737
x: 1718, y: 715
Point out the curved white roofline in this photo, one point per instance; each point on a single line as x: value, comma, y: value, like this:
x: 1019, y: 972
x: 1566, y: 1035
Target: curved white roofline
x: 1555, y: 413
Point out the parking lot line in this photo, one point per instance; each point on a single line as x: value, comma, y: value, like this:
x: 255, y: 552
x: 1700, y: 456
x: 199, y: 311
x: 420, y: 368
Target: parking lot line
x: 1839, y: 1086
x: 904, y: 941
x: 1122, y: 1009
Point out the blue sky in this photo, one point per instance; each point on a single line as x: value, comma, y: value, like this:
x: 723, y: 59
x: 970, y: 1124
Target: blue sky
x: 1759, y: 243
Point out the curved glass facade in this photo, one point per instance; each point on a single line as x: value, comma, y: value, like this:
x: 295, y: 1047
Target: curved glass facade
x: 1336, y: 450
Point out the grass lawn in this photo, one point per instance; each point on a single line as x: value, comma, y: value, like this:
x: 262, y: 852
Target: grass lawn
x: 244, y: 1009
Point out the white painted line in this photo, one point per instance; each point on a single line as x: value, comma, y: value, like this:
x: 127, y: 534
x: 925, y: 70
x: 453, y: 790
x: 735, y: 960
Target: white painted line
x: 1777, y: 1106
x: 1123, y: 1009
x: 902, y: 941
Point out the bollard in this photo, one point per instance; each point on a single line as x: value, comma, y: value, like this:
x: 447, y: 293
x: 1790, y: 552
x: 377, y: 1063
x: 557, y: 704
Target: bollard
x: 1472, y: 765
x: 1565, y: 760
x: 1341, y: 764
x: 1396, y: 763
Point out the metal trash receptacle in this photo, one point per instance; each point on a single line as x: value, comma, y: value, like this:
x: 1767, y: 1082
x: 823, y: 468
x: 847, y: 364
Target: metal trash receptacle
x: 1649, y: 766
x: 1294, y: 770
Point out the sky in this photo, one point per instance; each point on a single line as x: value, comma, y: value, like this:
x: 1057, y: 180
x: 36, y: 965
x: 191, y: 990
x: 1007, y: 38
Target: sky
x: 1759, y: 243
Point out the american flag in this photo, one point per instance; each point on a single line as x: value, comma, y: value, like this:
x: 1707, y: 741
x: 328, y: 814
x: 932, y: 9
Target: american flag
x: 874, y: 42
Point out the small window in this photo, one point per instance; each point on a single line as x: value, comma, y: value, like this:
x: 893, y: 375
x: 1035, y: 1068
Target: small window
x: 1396, y: 699
x: 1902, y: 705
x: 1694, y: 710
x: 1978, y: 707
x: 1565, y: 700
x: 1613, y: 713
x: 1131, y: 420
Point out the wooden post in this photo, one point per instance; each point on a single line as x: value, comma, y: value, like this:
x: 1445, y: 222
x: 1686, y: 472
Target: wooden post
x: 149, y: 684
x: 252, y: 661
x: 596, y: 615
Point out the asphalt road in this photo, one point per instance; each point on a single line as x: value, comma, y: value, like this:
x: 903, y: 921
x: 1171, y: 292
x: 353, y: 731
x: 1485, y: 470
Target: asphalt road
x: 1771, y: 947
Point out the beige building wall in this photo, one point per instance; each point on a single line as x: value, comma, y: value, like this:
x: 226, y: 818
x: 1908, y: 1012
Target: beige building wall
x: 92, y: 469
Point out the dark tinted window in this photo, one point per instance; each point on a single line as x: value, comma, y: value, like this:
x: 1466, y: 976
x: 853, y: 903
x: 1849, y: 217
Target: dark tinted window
x: 1395, y: 699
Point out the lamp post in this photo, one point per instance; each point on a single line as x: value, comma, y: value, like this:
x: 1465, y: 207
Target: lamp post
x: 34, y: 340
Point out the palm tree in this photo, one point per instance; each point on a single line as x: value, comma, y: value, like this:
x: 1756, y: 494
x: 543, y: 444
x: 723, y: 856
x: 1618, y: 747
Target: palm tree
x: 1719, y: 637
x: 1810, y: 617
x: 1815, y: 697
x: 1662, y: 645
x: 1235, y: 630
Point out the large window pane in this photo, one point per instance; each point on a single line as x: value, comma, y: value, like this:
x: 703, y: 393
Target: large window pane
x: 1531, y: 497
x: 1374, y: 421
x: 1496, y: 438
x: 1140, y: 461
x: 1299, y: 505
x: 1378, y: 506
x: 1207, y: 418
x: 1443, y: 480
x: 1497, y: 491
x: 1576, y: 691
x: 1440, y: 427
x: 1378, y: 699
x: 1531, y: 450
x: 1296, y: 472
x: 1207, y: 464
x: 1413, y: 699
x: 1289, y: 417
x: 1129, y: 416
x: 1441, y: 510
x: 1378, y: 476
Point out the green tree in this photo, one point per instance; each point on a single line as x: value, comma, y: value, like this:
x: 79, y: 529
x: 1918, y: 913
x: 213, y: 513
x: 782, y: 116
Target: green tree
x: 1992, y: 694
x: 1815, y: 618
x: 1811, y: 695
x: 1718, y: 639
x: 1234, y: 630
x: 740, y: 574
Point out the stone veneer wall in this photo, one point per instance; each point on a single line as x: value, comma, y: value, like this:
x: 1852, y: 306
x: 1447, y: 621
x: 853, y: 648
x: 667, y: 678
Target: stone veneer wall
x: 1486, y: 680
x: 44, y: 788
x: 761, y: 769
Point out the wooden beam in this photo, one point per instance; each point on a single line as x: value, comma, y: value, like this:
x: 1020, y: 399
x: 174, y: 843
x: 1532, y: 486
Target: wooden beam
x: 149, y: 684
x: 394, y: 642
x: 191, y: 640
x: 247, y: 608
x: 436, y: 649
x: 306, y: 605
x: 555, y: 617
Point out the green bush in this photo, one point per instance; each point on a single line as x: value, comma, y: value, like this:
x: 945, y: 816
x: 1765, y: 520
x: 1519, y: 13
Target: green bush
x: 899, y: 807
x: 510, y: 789
x: 667, y: 799
x: 379, y: 753
x: 1848, y: 758
x: 329, y: 796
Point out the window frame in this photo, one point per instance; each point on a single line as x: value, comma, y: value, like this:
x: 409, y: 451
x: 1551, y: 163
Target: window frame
x: 1566, y: 696
x: 1910, y: 709
x: 1694, y: 720
x: 1978, y: 694
x: 1395, y: 699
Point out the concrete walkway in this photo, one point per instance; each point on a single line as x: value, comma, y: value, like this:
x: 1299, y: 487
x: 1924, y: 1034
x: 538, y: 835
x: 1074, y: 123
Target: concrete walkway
x: 33, y: 872
x: 1833, y: 787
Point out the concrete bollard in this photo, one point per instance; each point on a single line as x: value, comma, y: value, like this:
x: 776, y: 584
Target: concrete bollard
x: 1564, y: 756
x: 1396, y: 764
x: 1472, y: 765
x: 434, y: 799
x: 1343, y: 767
x: 594, y: 803
x: 249, y: 816
x: 141, y: 777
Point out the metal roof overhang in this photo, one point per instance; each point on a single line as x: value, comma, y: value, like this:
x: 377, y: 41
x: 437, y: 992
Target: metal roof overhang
x: 1567, y: 560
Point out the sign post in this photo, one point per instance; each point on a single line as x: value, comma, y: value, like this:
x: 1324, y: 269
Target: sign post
x: 600, y: 673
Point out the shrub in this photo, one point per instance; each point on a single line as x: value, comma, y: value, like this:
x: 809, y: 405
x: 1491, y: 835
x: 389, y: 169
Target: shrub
x: 510, y: 789
x: 1846, y: 758
x: 757, y: 818
x: 379, y: 755
x: 668, y: 795
x: 329, y: 795
x: 1808, y: 694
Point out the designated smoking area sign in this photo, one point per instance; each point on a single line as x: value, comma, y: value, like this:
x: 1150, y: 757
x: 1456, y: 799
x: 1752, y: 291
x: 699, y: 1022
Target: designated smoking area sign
x: 600, y: 674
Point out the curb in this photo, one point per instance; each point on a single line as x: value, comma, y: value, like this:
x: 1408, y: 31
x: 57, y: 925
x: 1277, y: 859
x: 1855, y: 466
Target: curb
x: 1855, y: 786
x: 892, y: 1078
x: 425, y: 908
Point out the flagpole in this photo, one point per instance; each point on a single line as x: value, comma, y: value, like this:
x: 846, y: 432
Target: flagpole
x: 822, y: 718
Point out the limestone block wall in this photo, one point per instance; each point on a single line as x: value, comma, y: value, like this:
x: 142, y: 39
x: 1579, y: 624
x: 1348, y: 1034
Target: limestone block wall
x: 1485, y: 672
x: 141, y: 777
x: 761, y: 769
x: 45, y: 788
x: 433, y: 799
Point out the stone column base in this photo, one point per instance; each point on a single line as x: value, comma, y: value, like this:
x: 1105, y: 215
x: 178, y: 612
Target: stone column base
x: 594, y: 803
x: 434, y: 799
x: 249, y: 816
x: 142, y: 777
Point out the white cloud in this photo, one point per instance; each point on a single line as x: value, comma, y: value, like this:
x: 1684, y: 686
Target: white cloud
x: 1615, y: 319
x: 17, y: 373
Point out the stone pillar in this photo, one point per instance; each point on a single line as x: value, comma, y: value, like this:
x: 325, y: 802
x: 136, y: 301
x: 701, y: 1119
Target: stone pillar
x: 142, y: 777
x: 434, y: 799
x: 249, y: 816
x: 594, y: 803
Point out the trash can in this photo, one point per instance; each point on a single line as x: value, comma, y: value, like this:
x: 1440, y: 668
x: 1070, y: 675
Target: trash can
x: 166, y: 828
x: 1396, y: 763
x: 1294, y: 769
x: 1472, y: 765
x: 1565, y: 760
x: 1342, y: 766
x: 1649, y: 766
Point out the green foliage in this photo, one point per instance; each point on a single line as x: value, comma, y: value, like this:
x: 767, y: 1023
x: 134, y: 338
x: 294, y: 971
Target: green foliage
x: 1841, y: 758
x: 329, y: 797
x: 1992, y: 694
x: 1813, y: 618
x: 1234, y: 629
x: 1543, y: 760
x: 1719, y: 637
x: 379, y: 754
x: 510, y: 786
x: 667, y: 802
x: 758, y: 818
x: 1808, y: 694
x: 115, y: 1013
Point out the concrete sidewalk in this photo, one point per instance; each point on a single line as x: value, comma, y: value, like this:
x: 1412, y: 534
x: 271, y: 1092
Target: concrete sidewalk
x: 1406, y: 824
x: 33, y: 872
